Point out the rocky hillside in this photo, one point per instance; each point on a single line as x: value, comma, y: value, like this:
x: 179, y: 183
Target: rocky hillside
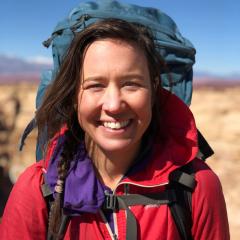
x: 217, y: 115
x: 216, y: 112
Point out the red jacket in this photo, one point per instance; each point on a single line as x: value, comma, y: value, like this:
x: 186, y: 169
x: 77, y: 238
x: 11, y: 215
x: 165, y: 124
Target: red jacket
x: 25, y: 215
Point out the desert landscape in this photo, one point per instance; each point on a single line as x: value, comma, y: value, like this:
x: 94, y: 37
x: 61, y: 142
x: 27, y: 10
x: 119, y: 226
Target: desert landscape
x: 217, y: 114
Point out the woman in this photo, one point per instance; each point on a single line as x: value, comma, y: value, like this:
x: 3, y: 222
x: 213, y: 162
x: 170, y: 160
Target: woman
x: 112, y: 130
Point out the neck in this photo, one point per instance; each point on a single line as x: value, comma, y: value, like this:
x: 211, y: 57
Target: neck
x: 111, y: 166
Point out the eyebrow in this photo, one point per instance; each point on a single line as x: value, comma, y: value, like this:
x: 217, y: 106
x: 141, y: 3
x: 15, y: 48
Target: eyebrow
x: 94, y: 78
x: 123, y: 77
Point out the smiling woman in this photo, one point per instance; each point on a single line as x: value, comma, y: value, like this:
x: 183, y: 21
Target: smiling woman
x: 114, y: 103
x: 116, y: 139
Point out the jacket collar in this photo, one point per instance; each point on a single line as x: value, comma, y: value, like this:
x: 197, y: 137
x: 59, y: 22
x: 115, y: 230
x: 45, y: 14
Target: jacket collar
x: 175, y: 145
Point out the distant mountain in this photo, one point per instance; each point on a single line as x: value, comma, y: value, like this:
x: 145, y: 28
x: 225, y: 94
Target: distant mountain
x: 202, y: 79
x: 19, y: 78
x: 202, y: 75
x: 14, y: 65
x: 14, y: 70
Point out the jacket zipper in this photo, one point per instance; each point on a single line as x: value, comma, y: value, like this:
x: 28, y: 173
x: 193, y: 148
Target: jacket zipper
x: 113, y: 236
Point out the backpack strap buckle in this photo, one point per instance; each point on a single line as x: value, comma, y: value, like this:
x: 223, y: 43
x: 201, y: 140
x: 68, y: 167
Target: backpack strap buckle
x: 110, y: 201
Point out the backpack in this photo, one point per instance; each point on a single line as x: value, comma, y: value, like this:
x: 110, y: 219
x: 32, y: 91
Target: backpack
x: 179, y: 55
x: 177, y: 52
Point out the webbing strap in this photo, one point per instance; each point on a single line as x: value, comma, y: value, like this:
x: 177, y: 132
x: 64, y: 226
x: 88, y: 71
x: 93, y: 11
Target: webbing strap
x: 63, y: 226
x: 65, y: 219
x: 205, y: 149
x: 148, y: 199
x: 112, y: 201
x: 47, y: 194
x: 183, y: 178
x: 131, y: 231
x: 182, y: 214
x: 46, y: 191
x: 115, y: 202
x: 183, y: 182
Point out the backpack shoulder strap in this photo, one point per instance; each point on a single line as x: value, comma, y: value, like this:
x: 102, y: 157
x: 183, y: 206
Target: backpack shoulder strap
x: 205, y: 150
x: 48, y: 196
x: 182, y: 182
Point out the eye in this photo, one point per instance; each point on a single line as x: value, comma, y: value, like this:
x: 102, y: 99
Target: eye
x: 93, y: 86
x: 132, y: 85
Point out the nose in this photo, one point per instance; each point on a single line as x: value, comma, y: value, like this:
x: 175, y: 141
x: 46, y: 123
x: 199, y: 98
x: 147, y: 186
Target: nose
x: 112, y: 100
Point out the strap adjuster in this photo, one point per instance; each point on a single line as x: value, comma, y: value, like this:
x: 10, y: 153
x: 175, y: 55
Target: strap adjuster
x: 110, y: 201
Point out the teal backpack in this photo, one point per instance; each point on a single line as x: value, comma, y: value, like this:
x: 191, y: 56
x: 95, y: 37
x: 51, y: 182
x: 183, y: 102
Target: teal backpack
x: 177, y: 51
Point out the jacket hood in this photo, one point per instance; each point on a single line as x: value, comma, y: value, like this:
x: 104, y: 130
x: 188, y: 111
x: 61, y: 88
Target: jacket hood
x: 175, y: 144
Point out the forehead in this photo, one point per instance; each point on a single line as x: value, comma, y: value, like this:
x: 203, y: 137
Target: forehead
x: 114, y: 55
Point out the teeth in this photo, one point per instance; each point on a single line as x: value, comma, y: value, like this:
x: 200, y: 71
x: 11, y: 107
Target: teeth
x: 115, y: 125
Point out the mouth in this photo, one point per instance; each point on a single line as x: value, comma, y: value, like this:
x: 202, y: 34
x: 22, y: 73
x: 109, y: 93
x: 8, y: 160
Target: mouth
x: 116, y: 125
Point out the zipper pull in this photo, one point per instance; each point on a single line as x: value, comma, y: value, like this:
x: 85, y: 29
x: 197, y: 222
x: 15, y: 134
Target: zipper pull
x: 115, y: 237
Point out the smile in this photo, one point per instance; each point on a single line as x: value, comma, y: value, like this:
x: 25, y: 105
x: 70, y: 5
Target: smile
x: 116, y: 125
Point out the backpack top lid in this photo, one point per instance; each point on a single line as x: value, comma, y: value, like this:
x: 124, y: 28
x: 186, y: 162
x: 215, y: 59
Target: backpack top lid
x: 177, y: 51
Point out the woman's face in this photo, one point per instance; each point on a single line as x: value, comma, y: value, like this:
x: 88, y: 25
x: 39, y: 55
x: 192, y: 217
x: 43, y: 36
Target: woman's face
x: 114, y: 101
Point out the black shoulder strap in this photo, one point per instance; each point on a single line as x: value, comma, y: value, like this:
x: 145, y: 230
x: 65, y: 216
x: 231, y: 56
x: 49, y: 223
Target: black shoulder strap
x: 116, y: 202
x: 62, y: 230
x: 182, y: 182
x: 205, y: 150
x: 48, y: 196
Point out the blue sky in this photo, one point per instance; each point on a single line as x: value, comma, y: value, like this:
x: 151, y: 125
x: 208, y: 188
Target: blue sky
x: 213, y: 26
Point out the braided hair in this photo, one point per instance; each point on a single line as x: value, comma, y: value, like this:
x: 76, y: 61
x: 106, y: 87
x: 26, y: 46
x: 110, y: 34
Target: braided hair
x: 67, y: 155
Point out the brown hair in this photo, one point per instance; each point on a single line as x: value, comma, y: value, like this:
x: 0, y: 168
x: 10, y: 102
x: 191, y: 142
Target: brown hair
x: 59, y: 104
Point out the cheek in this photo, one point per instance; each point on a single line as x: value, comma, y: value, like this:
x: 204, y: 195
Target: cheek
x: 87, y: 109
x: 82, y: 109
x: 143, y: 107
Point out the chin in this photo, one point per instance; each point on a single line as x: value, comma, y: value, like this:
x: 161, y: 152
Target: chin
x: 122, y: 147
